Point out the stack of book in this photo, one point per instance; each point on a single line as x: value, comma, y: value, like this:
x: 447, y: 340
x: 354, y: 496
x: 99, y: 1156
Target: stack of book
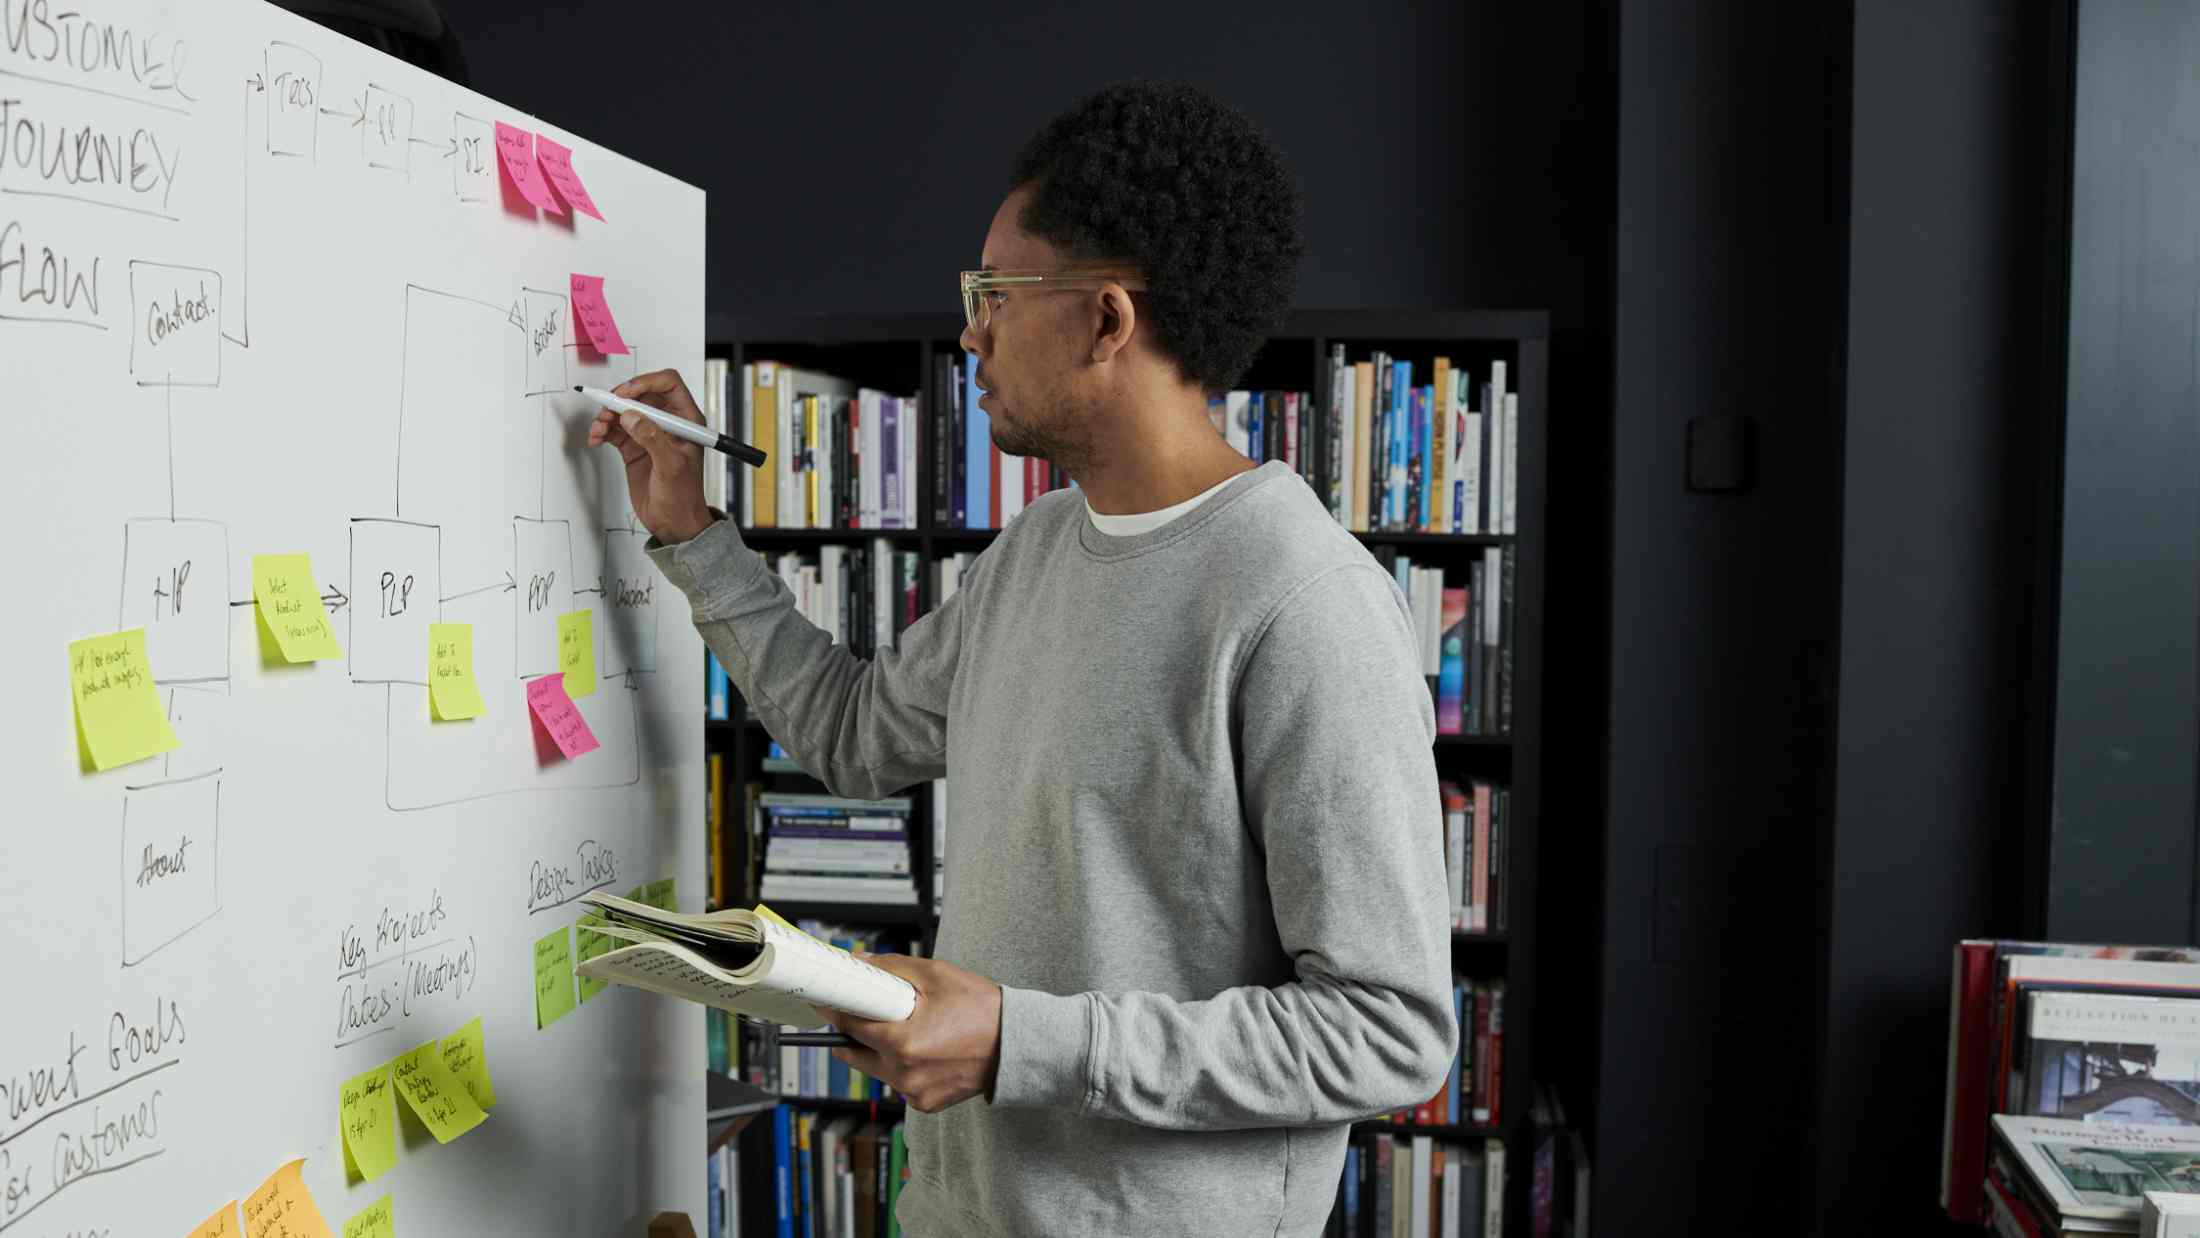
x: 1473, y: 1091
x: 1433, y: 457
x: 1273, y: 425
x: 1474, y: 854
x: 864, y: 595
x: 825, y: 849
x: 973, y: 484
x: 2066, y: 1062
x: 1558, y: 1189
x: 1466, y: 633
x: 832, y: 1176
x: 1420, y: 1185
x: 839, y: 456
x: 2067, y: 1176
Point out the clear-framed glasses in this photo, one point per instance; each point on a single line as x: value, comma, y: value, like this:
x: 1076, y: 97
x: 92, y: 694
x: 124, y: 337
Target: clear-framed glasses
x: 982, y: 290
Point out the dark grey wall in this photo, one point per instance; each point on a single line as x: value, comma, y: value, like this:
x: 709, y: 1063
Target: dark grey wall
x: 1941, y: 414
x: 1732, y: 122
x: 2121, y: 866
x: 854, y: 151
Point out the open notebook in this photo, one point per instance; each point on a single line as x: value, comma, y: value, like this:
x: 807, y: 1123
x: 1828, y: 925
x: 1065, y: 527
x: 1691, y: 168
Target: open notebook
x: 749, y: 962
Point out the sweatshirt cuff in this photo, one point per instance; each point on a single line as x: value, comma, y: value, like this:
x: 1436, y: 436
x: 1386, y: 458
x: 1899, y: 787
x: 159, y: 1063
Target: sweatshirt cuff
x: 1046, y: 1050
x: 714, y: 558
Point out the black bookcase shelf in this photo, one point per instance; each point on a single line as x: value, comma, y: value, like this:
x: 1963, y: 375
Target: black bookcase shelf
x: 896, y: 352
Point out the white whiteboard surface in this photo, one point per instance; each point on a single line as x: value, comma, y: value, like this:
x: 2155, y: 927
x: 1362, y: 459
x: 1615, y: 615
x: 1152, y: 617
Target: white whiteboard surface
x: 261, y: 292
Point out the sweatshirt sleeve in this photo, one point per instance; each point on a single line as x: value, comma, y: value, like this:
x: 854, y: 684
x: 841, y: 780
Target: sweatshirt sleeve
x: 866, y: 727
x: 1339, y: 789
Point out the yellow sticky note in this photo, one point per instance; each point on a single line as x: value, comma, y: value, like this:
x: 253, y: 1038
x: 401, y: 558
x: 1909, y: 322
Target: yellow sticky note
x: 373, y: 1221
x: 587, y: 946
x: 283, y: 1207
x: 577, y: 652
x: 290, y: 606
x: 434, y: 1094
x: 553, y: 977
x: 222, y: 1224
x: 467, y: 1058
x: 118, y: 714
x: 369, y: 1122
x: 452, y: 692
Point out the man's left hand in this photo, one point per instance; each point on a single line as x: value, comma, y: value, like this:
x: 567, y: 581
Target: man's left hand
x: 946, y: 1051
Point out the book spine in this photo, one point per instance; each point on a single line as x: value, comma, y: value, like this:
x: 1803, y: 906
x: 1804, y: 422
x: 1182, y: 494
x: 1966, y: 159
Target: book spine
x: 977, y: 450
x: 1439, y: 415
x: 1512, y: 462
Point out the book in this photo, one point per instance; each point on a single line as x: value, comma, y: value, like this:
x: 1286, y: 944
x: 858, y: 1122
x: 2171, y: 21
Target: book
x: 2099, y: 1170
x: 747, y: 962
x: 2110, y: 1057
x: 2164, y: 1214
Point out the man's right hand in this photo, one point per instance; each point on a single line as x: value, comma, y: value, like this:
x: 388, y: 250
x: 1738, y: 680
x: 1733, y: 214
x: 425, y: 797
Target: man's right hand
x: 664, y: 475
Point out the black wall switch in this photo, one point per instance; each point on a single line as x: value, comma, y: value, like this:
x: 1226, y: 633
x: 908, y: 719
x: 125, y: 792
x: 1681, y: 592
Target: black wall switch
x: 1719, y: 451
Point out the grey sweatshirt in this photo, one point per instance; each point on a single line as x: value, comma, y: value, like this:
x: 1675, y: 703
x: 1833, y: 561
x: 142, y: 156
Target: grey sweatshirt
x: 1195, y: 837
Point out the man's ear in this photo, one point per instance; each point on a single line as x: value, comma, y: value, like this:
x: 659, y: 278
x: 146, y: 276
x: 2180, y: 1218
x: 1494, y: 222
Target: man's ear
x: 1118, y: 321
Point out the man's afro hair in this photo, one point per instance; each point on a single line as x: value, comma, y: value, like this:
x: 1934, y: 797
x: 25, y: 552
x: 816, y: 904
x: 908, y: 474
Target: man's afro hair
x: 1166, y: 177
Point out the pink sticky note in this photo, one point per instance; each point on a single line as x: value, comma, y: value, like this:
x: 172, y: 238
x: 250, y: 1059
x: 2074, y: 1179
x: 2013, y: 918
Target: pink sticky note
x: 517, y: 147
x: 557, y: 162
x: 559, y: 716
x: 594, y: 314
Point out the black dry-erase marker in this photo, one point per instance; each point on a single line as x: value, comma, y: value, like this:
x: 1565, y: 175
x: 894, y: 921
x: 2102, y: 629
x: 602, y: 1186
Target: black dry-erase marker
x: 678, y: 427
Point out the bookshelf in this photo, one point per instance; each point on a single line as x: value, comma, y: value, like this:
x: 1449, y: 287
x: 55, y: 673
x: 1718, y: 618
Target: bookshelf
x: 895, y: 352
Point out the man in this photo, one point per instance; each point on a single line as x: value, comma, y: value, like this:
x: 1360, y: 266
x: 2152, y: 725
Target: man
x: 1196, y: 917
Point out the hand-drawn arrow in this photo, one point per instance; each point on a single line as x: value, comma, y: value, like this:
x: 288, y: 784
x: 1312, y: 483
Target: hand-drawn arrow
x: 507, y: 587
x: 598, y: 590
x: 449, y: 145
x: 255, y: 83
x: 358, y: 113
x: 333, y: 598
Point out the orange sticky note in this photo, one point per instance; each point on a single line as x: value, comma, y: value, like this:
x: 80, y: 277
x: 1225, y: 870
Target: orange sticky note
x: 593, y: 313
x: 556, y: 162
x: 222, y: 1224
x: 283, y: 1207
x: 516, y: 150
x: 559, y: 716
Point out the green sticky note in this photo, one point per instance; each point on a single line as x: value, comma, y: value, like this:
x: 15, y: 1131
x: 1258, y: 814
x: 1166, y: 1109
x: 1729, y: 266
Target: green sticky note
x: 373, y: 1221
x: 589, y: 945
x: 119, y: 718
x: 467, y: 1058
x: 659, y: 894
x: 553, y: 977
x: 369, y: 1123
x: 435, y: 1096
x: 577, y: 652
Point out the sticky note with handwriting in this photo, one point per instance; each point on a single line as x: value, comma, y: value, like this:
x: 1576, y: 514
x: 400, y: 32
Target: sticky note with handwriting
x: 553, y: 977
x: 556, y: 161
x: 374, y: 1221
x: 452, y: 692
x: 593, y: 313
x: 435, y: 1095
x: 369, y: 1121
x: 516, y: 151
x: 588, y: 945
x: 282, y: 1207
x: 222, y: 1224
x: 577, y: 652
x: 467, y: 1058
x: 559, y: 716
x: 119, y: 718
x: 290, y: 605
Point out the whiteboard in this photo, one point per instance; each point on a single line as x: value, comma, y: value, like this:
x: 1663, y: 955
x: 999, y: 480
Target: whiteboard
x: 263, y: 290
